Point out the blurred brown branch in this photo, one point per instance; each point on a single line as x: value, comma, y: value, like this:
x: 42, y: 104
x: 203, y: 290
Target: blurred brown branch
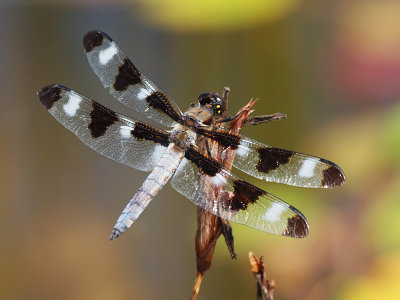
x: 265, y: 287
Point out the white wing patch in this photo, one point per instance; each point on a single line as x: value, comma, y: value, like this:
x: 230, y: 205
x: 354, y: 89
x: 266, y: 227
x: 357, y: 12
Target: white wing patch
x: 218, y: 179
x: 125, y: 132
x: 142, y: 94
x: 273, y: 213
x: 307, y: 168
x: 107, y: 54
x: 72, y: 105
x: 242, y: 150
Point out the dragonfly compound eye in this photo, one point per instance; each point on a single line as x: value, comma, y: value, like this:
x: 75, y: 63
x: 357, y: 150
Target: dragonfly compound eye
x: 211, y: 98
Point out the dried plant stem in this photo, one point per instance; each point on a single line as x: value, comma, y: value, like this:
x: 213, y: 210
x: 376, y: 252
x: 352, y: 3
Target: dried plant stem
x: 265, y: 287
x: 197, y: 284
x: 209, y: 226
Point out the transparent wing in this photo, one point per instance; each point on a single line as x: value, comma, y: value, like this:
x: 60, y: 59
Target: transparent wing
x: 236, y: 200
x: 115, y: 136
x: 284, y: 166
x: 125, y: 82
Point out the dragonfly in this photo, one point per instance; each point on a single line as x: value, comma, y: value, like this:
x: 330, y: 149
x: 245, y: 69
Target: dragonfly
x: 175, y: 152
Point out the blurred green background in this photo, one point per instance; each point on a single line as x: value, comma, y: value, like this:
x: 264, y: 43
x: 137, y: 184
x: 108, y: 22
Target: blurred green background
x: 332, y: 66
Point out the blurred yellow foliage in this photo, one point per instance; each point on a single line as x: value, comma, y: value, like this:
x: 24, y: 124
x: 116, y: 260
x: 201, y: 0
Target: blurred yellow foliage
x: 383, y: 218
x: 209, y: 15
x: 382, y: 282
x: 390, y: 134
x: 372, y: 25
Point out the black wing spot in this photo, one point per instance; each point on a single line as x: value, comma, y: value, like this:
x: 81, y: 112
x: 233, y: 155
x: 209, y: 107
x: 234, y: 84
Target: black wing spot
x: 206, y: 165
x: 225, y: 138
x: 142, y: 131
x: 160, y: 102
x: 127, y: 75
x: 297, y: 225
x: 243, y: 194
x: 332, y: 176
x: 49, y: 94
x: 100, y: 119
x: 92, y: 39
x: 271, y: 158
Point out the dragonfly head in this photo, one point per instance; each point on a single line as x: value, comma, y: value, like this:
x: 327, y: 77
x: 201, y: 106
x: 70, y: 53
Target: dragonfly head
x: 213, y: 99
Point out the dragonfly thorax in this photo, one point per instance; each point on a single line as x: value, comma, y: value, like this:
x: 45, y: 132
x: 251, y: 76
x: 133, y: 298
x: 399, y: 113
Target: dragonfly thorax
x: 182, y: 136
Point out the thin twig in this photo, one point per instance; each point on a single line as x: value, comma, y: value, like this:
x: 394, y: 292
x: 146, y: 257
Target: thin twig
x: 265, y: 287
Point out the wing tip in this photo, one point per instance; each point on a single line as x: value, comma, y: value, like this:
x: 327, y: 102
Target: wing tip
x: 93, y: 39
x: 332, y: 176
x: 48, y: 95
x: 297, y: 226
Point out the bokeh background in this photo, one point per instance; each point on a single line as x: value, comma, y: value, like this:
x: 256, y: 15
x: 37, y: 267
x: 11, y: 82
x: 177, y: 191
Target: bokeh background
x: 332, y: 66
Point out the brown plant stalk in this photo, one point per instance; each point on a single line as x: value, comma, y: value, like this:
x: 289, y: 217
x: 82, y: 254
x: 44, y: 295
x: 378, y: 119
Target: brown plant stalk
x: 209, y: 226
